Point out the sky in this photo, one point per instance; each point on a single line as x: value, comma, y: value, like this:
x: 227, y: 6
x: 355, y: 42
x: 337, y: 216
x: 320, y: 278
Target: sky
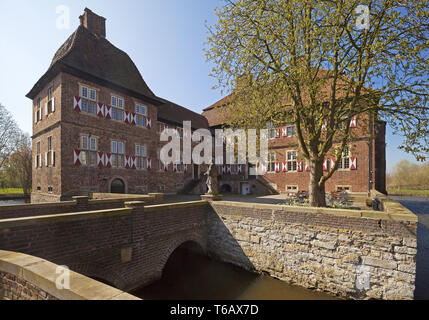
x: 164, y: 38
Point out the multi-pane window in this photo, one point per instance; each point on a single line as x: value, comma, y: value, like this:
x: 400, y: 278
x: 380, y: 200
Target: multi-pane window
x: 291, y: 188
x: 291, y: 131
x: 342, y: 188
x: 118, y: 157
x: 291, y: 157
x: 141, y: 155
x: 271, y: 162
x: 89, y: 99
x: 38, y: 155
x: 162, y: 127
x: 271, y: 131
x: 345, y: 159
x: 89, y: 147
x: 141, y: 114
x: 50, y: 158
x: 117, y: 108
x: 50, y: 106
x: 38, y: 113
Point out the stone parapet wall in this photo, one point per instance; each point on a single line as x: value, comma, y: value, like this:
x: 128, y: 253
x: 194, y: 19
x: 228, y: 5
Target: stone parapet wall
x: 126, y: 247
x: 80, y: 203
x: 25, y: 277
x: 352, y: 254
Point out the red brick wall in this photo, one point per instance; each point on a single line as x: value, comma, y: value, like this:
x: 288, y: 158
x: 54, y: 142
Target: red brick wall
x: 66, y: 178
x: 356, y: 179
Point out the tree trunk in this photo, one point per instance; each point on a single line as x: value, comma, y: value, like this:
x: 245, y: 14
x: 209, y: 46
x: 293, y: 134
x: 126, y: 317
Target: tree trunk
x: 317, y: 190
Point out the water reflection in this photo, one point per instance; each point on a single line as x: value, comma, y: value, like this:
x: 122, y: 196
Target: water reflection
x: 11, y: 202
x: 190, y: 276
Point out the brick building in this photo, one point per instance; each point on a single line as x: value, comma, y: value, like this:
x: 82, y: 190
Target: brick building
x: 96, y: 125
x: 362, y: 168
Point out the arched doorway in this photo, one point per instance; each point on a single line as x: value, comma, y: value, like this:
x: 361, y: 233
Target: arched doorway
x: 117, y: 186
x: 226, y: 188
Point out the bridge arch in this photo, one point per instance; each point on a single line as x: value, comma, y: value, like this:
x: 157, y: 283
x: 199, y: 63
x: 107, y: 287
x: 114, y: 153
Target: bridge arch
x: 194, y: 242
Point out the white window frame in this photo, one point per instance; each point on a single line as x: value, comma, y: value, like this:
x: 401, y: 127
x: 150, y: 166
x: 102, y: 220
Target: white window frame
x: 271, y: 162
x: 141, y: 115
x: 118, y: 157
x: 345, y: 159
x: 38, y: 153
x: 291, y: 186
x: 88, y: 150
x: 141, y: 157
x: 292, y: 161
x: 116, y: 108
x: 88, y: 102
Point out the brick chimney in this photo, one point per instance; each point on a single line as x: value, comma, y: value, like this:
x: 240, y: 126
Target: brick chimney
x: 94, y: 23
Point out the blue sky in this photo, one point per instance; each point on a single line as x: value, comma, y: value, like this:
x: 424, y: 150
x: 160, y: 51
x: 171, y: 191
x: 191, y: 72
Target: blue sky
x: 165, y: 39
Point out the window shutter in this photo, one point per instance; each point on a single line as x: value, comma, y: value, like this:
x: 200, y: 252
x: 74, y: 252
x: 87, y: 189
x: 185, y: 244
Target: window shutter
x: 299, y: 166
x: 35, y: 117
x: 40, y: 114
x: 353, y: 122
x: 77, y: 103
x: 307, y: 167
x: 35, y: 162
x: 46, y: 109
x: 53, y: 104
x: 277, y: 167
x: 284, y: 166
x: 53, y: 158
x: 40, y: 160
x: 353, y: 163
x: 77, y: 157
x: 325, y: 165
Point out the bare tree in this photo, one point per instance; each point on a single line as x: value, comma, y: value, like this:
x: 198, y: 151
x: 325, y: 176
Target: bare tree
x: 18, y: 166
x: 10, y: 134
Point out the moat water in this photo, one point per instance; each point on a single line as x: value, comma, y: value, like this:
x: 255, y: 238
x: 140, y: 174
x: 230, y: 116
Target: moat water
x: 11, y: 202
x: 189, y: 276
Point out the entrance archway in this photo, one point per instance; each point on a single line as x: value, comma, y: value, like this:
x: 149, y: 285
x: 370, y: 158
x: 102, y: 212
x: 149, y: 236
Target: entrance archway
x: 117, y: 186
x: 226, y: 188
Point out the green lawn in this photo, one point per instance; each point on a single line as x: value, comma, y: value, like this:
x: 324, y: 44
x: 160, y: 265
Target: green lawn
x: 11, y: 190
x: 409, y: 192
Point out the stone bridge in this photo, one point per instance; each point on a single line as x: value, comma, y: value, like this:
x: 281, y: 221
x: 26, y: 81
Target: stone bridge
x: 125, y: 247
x: 357, y: 254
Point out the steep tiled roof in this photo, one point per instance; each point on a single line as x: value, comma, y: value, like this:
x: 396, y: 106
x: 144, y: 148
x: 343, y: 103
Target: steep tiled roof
x: 85, y: 52
x: 90, y: 55
x: 215, y: 114
x: 172, y: 112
